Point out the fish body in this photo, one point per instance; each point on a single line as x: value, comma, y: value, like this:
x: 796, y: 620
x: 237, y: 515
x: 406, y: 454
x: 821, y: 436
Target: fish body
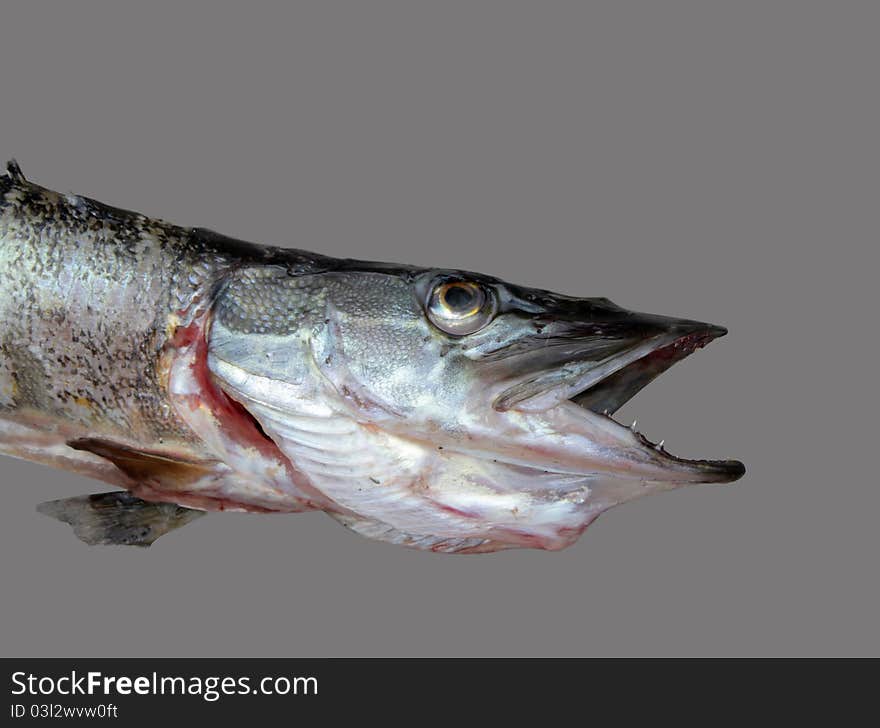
x: 439, y: 409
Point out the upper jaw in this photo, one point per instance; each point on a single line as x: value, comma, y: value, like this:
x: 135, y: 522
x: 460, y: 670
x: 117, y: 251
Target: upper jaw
x: 575, y: 378
x: 611, y: 392
x: 600, y: 365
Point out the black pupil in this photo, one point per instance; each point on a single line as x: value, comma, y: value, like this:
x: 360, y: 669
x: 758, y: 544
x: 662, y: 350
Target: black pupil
x: 460, y: 298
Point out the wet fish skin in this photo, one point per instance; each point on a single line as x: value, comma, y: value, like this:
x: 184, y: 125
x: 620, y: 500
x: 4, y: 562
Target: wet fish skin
x: 209, y: 373
x: 96, y: 293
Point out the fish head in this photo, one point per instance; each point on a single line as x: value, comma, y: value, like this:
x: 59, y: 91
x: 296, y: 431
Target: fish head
x: 518, y: 383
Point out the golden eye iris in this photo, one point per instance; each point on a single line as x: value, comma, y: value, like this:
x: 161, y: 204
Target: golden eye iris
x: 460, y: 299
x: 460, y: 307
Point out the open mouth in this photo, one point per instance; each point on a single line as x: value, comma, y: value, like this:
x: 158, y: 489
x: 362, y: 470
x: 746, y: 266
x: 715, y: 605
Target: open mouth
x: 610, y: 393
x: 603, y: 385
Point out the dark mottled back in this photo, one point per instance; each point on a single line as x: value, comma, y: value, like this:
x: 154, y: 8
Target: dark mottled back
x: 89, y: 295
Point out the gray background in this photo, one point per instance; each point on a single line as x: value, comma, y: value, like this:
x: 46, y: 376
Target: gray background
x: 693, y: 159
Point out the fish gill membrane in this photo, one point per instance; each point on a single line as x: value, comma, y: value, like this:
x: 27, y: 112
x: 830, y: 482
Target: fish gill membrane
x: 438, y: 409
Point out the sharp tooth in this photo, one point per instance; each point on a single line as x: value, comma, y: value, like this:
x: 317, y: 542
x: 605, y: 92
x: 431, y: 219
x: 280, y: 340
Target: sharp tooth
x: 605, y: 411
x: 633, y: 425
x: 660, y: 444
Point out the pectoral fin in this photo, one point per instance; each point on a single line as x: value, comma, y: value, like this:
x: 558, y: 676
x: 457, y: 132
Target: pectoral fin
x: 118, y: 518
x: 157, y: 469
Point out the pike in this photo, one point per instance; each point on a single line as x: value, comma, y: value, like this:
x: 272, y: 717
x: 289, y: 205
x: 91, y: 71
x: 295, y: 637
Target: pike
x: 437, y: 409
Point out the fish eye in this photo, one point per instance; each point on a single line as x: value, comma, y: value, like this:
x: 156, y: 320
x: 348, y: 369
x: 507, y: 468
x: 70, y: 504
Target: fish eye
x: 460, y: 307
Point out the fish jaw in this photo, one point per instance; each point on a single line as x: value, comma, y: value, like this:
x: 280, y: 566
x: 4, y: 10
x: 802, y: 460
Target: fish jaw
x: 551, y: 401
x: 568, y: 438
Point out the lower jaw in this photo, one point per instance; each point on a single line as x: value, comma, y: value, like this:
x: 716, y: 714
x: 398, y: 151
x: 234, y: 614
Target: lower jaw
x: 572, y: 440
